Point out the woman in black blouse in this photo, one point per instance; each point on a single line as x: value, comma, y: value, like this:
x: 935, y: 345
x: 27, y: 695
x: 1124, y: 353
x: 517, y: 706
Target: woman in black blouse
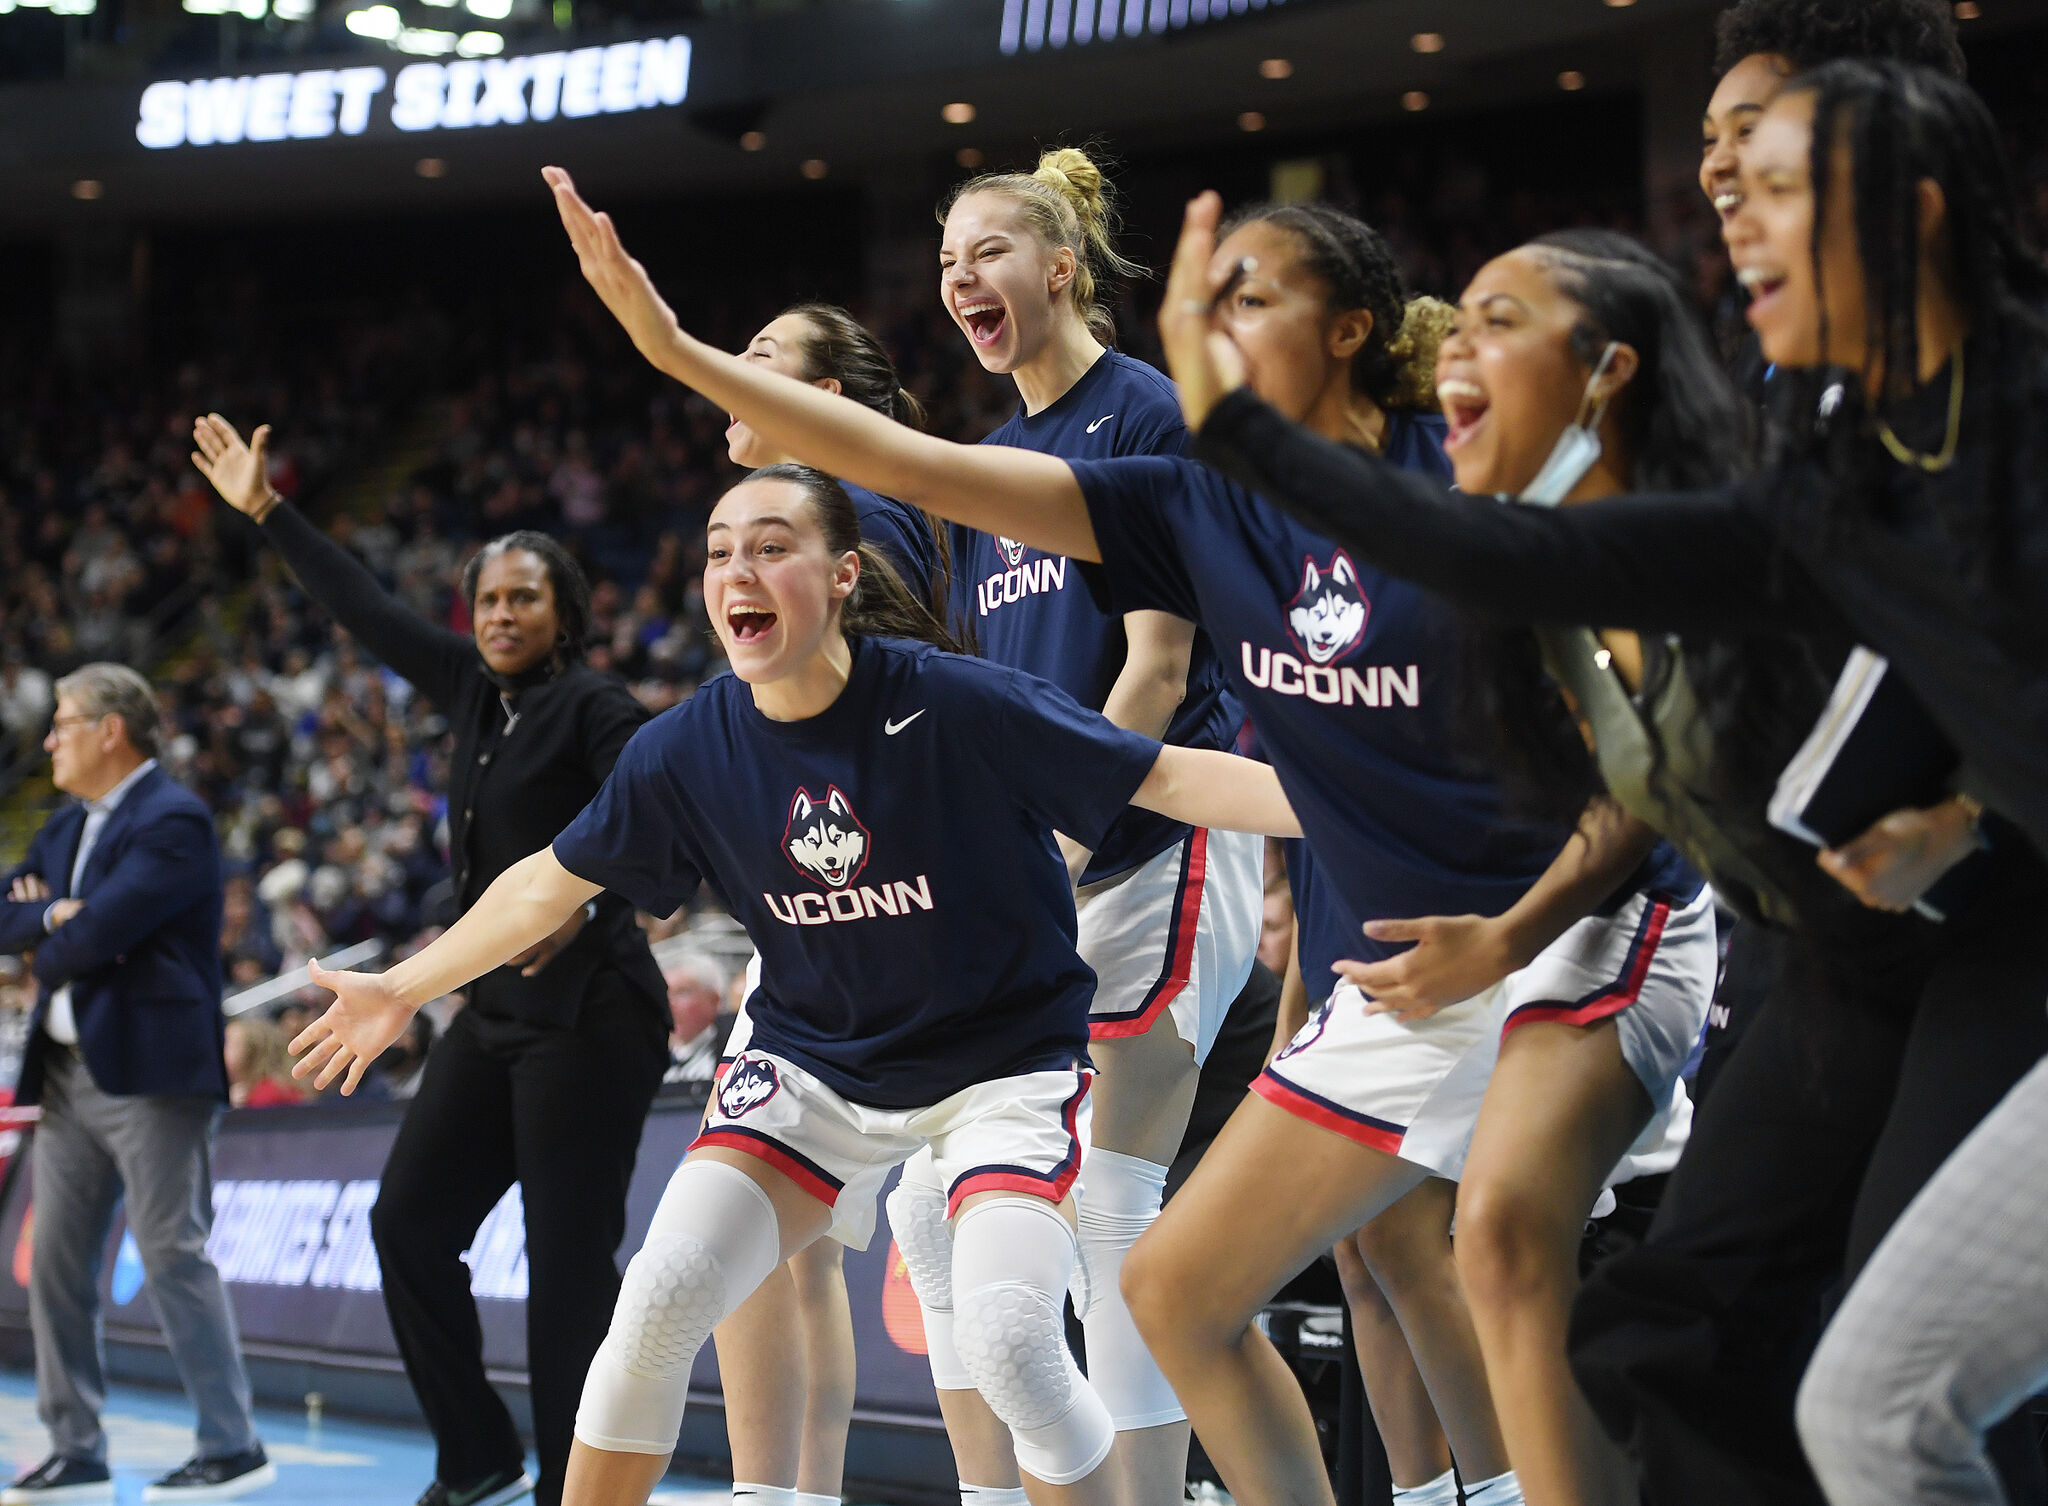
x: 545, y: 1078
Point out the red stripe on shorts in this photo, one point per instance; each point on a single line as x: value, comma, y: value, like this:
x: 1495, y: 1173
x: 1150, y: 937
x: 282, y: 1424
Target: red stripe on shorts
x: 1352, y: 1125
x: 1180, y: 949
x: 1614, y: 997
x: 781, y: 1157
x: 1052, y: 1185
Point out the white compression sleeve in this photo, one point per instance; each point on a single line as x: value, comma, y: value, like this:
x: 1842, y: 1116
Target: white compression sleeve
x: 1119, y: 1200
x: 917, y: 1217
x: 714, y: 1239
x: 1012, y: 1257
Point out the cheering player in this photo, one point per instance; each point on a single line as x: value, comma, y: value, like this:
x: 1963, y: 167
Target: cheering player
x: 881, y: 816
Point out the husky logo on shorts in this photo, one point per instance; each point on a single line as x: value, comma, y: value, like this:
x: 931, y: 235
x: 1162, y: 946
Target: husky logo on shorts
x: 1013, y: 552
x: 750, y: 1082
x: 1326, y: 619
x: 1309, y: 1033
x: 825, y: 838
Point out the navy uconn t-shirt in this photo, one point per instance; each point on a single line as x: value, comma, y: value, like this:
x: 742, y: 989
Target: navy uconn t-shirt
x: 900, y: 532
x: 892, y: 858
x: 1032, y: 610
x: 1347, y: 674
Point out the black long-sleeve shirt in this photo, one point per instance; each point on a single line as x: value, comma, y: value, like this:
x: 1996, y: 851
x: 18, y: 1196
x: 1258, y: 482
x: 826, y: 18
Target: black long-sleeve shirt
x: 512, y: 784
x: 1743, y: 559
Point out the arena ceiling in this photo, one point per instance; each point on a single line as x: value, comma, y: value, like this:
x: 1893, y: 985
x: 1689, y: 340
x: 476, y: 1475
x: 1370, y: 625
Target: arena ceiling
x: 859, y: 86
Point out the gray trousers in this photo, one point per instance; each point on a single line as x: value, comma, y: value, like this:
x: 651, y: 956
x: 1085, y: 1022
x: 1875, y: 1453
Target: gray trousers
x: 91, y: 1149
x: 1946, y: 1330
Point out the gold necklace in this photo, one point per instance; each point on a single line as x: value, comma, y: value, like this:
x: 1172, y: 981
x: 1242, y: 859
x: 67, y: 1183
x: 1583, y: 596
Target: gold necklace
x: 1945, y: 457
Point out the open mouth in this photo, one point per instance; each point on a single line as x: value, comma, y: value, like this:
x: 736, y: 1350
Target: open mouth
x: 1464, y: 404
x: 984, y: 318
x: 749, y: 624
x: 1762, y: 286
x: 1727, y: 201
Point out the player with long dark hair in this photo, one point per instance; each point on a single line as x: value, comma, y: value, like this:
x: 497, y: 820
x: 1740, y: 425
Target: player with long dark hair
x: 880, y: 814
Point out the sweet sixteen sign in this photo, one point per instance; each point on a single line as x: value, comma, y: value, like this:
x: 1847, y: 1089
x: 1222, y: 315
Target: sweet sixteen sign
x: 468, y: 93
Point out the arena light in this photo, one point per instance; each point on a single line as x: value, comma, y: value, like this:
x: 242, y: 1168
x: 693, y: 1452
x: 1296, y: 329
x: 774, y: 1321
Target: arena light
x: 54, y: 7
x: 1251, y: 120
x: 753, y: 141
x: 480, y: 44
x: 88, y: 189
x: 293, y: 10
x: 969, y: 157
x: 814, y: 168
x: 1571, y: 81
x: 1276, y: 68
x: 467, y: 93
x: 431, y: 167
x: 425, y: 41
x: 380, y: 23
x: 1968, y: 10
x: 1414, y: 100
x: 1426, y: 42
x: 249, y: 10
x: 958, y: 113
x: 490, y: 10
x: 1031, y: 25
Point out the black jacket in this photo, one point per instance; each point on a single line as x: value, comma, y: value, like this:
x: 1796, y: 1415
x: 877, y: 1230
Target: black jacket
x: 1770, y: 555
x: 510, y: 792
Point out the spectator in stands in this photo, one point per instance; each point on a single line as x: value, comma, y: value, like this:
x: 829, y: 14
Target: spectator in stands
x: 259, y: 1067
x: 120, y: 899
x: 546, y: 1075
x: 696, y: 990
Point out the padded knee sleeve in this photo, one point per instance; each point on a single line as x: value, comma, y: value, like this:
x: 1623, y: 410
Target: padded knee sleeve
x: 917, y: 1215
x: 1119, y: 1200
x: 714, y: 1239
x: 1012, y: 1258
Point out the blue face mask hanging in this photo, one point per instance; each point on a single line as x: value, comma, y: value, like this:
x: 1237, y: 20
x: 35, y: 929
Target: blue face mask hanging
x: 1578, y: 448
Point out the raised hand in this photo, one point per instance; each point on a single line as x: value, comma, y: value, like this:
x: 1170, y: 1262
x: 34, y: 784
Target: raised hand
x: 1454, y: 957
x: 366, y: 1016
x: 620, y: 281
x: 239, y: 472
x: 1203, y: 359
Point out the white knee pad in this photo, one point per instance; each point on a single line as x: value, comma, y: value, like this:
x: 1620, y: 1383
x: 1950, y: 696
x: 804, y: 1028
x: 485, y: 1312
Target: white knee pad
x: 714, y: 1239
x: 1119, y: 1200
x: 1011, y: 1261
x: 917, y: 1215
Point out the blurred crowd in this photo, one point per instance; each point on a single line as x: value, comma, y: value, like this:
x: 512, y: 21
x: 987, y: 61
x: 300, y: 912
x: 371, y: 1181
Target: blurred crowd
x: 326, y: 771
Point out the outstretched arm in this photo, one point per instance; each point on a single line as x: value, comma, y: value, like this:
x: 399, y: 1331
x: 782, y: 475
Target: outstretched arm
x: 1206, y: 788
x: 428, y: 656
x: 1018, y: 493
x: 525, y: 904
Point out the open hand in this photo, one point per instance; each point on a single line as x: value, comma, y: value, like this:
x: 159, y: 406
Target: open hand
x: 365, y: 1018
x: 620, y: 281
x: 27, y: 889
x: 544, y: 951
x: 239, y: 472
x: 1902, y: 856
x: 1454, y: 957
x: 1203, y: 359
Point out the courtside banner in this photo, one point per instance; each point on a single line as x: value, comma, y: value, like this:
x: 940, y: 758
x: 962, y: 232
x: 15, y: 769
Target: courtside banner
x: 293, y: 1189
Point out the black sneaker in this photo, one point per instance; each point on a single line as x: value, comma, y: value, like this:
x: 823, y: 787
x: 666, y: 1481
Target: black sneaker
x: 507, y: 1485
x: 220, y: 1479
x: 60, y: 1478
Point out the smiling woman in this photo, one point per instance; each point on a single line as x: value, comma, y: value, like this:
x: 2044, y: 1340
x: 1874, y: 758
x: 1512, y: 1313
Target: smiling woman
x: 546, y: 1075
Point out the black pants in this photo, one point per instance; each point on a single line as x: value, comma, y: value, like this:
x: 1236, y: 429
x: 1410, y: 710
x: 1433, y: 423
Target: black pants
x: 560, y: 1112
x: 1846, y: 1094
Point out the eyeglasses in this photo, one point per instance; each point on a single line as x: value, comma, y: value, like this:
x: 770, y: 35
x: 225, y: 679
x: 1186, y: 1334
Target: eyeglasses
x: 66, y: 723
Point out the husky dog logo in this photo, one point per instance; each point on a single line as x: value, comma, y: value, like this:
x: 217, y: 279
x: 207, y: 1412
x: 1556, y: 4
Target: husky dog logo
x: 1013, y: 552
x: 1309, y: 1034
x: 825, y: 838
x: 1326, y: 619
x: 749, y: 1082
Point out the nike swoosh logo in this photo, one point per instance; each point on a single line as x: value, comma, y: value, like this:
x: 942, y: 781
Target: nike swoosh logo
x: 890, y: 729
x: 1100, y: 422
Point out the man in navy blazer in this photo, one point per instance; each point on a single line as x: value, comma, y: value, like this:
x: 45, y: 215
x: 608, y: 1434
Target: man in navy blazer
x: 119, y: 900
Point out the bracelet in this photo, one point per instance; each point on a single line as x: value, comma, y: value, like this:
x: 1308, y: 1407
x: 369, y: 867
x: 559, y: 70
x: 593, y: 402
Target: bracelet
x: 270, y: 505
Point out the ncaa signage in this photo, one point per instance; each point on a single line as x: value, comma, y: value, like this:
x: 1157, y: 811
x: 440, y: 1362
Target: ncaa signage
x: 469, y: 93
